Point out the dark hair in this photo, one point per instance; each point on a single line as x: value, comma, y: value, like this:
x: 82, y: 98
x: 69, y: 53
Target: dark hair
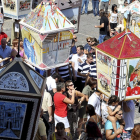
x: 138, y: 83
x: 95, y: 44
x: 112, y: 99
x: 93, y: 39
x: 135, y: 135
x: 81, y: 47
x: 90, y: 110
x: 113, y: 6
x: 102, y: 13
x: 60, y: 85
x: 73, y: 41
x: 93, y: 130
x: 92, y: 82
x: 60, y: 125
x: 121, y: 122
x: 56, y: 75
x: 89, y: 55
x: 106, y: 38
x: 68, y: 82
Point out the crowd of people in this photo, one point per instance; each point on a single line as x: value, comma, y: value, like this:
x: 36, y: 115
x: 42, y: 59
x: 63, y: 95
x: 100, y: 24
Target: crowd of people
x: 72, y: 106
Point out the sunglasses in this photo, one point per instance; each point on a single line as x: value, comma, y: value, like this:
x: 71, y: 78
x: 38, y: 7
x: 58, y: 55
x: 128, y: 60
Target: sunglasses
x: 88, y: 41
x: 120, y: 114
x: 75, y: 38
x: 71, y: 85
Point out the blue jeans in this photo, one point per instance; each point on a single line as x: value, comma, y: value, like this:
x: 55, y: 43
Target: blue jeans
x: 95, y: 5
x: 101, y: 38
x: 85, y: 2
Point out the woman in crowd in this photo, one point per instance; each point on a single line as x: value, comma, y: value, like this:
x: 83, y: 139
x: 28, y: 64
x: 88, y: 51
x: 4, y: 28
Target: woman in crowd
x: 61, y: 134
x: 87, y: 91
x: 61, y: 102
x: 73, y: 109
x: 15, y: 47
x: 114, y: 17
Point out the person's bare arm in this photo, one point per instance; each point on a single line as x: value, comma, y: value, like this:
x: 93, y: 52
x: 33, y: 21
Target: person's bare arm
x: 110, y: 136
x: 54, y: 90
x: 83, y: 75
x: 111, y: 113
x: 50, y: 113
x: 7, y: 39
x: 100, y: 26
x: 73, y: 65
x: 125, y: 107
x: 70, y: 101
x: 43, y: 138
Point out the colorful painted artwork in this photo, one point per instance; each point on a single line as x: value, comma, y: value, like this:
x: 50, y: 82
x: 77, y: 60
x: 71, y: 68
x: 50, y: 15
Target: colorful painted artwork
x: 46, y: 19
x: 103, y: 84
x: 12, y: 116
x: 133, y: 86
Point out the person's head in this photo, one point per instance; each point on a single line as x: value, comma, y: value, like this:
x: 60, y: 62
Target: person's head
x: 75, y: 38
x: 113, y: 100
x: 61, y: 87
x: 88, y: 40
x: 60, y: 128
x: 114, y: 8
x: 135, y: 71
x: 3, y: 43
x: 125, y: 3
x: 92, y: 130
x: 92, y: 82
x: 80, y: 50
x: 133, y: 22
x: 106, y: 38
x: 69, y: 85
x: 135, y: 135
x: 93, y: 41
x: 15, y: 43
x: 89, y: 58
x: 90, y: 110
x: 119, y: 114
x: 73, y: 43
x: 56, y: 76
x: 102, y: 13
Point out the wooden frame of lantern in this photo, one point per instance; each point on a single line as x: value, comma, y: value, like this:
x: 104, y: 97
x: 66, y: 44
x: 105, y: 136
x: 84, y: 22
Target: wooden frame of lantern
x: 21, y: 92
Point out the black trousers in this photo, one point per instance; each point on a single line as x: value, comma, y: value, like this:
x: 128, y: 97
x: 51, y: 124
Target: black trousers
x: 78, y: 84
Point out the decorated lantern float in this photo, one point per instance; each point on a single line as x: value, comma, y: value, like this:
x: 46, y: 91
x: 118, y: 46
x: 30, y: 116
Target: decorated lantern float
x: 21, y: 90
x: 118, y: 66
x: 16, y: 9
x: 47, y: 36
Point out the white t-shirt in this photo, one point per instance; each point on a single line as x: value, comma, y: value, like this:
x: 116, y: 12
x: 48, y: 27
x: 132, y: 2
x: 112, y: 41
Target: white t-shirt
x: 113, y: 17
x: 94, y: 100
x: 75, y: 60
x: 50, y: 83
x: 129, y: 116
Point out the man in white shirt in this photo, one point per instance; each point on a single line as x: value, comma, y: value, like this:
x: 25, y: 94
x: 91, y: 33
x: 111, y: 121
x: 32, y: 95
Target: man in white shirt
x: 95, y: 101
x: 47, y: 112
x: 128, y: 115
x: 77, y: 60
x: 51, y: 83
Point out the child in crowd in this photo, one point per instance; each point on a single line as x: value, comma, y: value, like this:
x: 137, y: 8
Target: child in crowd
x: 108, y: 113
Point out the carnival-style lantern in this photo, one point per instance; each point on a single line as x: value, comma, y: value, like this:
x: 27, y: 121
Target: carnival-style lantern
x: 118, y: 66
x: 21, y: 92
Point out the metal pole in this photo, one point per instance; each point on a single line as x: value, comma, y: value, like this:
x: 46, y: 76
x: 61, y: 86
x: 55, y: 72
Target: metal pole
x: 56, y: 61
x: 18, y: 55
